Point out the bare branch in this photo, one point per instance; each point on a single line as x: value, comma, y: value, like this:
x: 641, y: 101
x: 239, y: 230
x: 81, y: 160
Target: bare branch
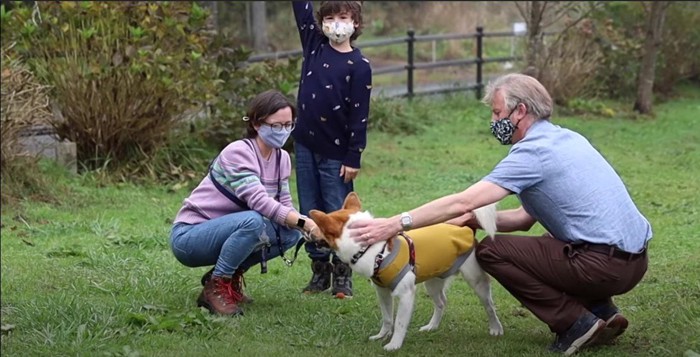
x: 569, y: 26
x: 559, y: 13
x: 523, y: 10
x: 645, y: 8
x: 541, y: 14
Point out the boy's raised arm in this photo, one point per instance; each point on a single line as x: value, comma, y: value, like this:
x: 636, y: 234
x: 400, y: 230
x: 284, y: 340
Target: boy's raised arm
x: 306, y: 24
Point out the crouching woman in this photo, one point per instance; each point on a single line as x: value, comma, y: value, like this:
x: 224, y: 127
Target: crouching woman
x: 241, y: 212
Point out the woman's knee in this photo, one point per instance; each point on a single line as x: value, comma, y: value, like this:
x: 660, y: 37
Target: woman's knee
x: 291, y: 239
x: 253, y: 221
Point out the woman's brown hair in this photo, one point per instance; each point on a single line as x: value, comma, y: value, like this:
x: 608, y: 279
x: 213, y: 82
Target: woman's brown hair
x: 264, y: 105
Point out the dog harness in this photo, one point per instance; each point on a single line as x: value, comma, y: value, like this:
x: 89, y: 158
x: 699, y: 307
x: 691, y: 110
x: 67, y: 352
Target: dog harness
x: 438, y: 250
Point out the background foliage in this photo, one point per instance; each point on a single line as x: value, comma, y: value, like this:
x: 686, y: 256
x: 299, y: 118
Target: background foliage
x: 121, y: 72
x: 149, y: 91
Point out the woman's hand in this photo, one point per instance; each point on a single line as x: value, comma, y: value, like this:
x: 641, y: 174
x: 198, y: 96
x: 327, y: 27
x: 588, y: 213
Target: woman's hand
x: 311, y: 230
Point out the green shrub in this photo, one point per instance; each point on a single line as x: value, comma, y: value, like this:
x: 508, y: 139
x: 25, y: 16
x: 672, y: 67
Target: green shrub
x: 621, y: 30
x: 122, y: 72
x: 679, y: 56
x: 397, y: 115
x: 570, y: 58
x: 240, y: 82
x: 580, y: 106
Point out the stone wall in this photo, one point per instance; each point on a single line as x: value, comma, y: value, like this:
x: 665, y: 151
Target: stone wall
x: 44, y: 142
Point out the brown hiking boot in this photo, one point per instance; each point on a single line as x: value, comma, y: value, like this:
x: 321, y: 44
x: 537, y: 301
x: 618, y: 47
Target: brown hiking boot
x: 238, y: 282
x: 219, y: 297
x: 321, y: 279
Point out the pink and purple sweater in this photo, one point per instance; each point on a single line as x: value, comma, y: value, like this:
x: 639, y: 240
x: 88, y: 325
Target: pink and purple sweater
x: 242, y: 170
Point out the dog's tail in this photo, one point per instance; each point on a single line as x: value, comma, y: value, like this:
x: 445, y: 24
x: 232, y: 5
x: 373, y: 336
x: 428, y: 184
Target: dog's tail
x: 487, y: 218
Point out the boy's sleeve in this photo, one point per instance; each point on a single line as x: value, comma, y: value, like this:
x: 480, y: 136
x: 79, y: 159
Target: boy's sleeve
x: 360, y: 92
x: 306, y: 25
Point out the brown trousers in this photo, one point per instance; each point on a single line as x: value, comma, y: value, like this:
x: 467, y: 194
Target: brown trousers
x: 556, y: 281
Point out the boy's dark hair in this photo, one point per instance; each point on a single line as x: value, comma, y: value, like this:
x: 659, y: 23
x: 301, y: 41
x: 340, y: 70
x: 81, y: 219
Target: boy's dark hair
x: 335, y: 7
x: 264, y: 105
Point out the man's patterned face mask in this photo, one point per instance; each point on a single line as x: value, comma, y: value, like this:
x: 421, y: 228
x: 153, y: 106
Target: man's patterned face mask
x: 503, y: 129
x: 337, y: 31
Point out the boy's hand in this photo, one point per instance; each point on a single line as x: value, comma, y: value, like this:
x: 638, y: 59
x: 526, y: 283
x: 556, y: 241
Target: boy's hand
x: 349, y: 173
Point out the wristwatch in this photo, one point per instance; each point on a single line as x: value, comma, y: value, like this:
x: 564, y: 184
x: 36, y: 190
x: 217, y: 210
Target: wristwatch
x: 406, y: 221
x: 301, y: 222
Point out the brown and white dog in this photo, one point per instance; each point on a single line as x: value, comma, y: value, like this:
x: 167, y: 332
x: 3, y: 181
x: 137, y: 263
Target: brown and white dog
x: 431, y: 254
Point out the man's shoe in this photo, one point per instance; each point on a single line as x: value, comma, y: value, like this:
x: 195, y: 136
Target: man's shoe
x: 581, y: 333
x: 615, y: 323
x: 614, y: 326
x: 219, y: 297
x: 321, y: 278
x: 342, y: 281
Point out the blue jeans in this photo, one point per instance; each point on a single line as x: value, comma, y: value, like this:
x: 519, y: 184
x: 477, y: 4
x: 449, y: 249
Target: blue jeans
x: 230, y: 242
x: 319, y: 186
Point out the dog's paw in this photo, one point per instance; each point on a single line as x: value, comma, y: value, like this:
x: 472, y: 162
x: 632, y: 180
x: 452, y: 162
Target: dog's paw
x: 379, y: 336
x: 496, y: 330
x: 392, y: 346
x: 428, y: 327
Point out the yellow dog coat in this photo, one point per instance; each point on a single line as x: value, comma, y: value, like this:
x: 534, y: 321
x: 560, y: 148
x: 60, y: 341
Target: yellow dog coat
x: 439, y: 251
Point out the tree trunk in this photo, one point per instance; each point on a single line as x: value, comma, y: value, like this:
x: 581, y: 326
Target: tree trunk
x: 534, y: 37
x: 213, y: 21
x: 645, y: 79
x: 259, y: 17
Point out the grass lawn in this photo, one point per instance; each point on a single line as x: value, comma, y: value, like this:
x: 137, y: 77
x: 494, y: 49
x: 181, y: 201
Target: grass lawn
x: 93, y: 275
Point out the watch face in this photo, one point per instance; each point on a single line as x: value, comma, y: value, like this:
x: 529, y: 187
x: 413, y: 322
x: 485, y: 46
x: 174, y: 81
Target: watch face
x: 406, y: 221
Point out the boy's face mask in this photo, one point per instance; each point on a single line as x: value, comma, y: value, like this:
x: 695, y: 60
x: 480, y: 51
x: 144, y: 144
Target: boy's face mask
x: 338, y: 31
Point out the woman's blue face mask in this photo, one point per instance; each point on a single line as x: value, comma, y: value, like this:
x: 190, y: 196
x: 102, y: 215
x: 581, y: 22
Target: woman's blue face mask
x: 274, y: 138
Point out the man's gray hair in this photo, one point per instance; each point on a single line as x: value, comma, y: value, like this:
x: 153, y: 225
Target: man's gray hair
x: 520, y: 88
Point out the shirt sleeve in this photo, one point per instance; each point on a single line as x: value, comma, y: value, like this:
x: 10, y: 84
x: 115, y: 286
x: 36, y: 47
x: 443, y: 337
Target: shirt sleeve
x: 360, y: 93
x: 309, y: 34
x: 238, y: 170
x: 518, y: 171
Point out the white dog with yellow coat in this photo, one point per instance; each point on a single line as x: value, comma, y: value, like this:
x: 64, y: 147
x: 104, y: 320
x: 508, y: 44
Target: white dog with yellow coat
x: 433, y: 255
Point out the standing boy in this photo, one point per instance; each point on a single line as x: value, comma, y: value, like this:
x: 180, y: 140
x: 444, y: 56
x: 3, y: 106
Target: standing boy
x: 331, y: 132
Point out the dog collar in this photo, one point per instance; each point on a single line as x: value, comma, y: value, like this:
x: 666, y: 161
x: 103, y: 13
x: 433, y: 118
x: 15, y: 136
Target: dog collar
x: 359, y: 254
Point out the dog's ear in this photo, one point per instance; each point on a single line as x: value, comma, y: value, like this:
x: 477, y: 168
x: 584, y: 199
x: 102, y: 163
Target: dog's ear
x: 321, y: 219
x: 352, y: 202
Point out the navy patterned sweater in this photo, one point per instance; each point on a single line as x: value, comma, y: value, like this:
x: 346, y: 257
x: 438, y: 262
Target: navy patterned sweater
x: 334, y: 94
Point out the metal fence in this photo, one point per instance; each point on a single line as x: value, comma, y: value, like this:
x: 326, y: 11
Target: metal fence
x: 411, y: 65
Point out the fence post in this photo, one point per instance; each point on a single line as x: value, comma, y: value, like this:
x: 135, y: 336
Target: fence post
x: 479, y: 60
x: 409, y: 66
